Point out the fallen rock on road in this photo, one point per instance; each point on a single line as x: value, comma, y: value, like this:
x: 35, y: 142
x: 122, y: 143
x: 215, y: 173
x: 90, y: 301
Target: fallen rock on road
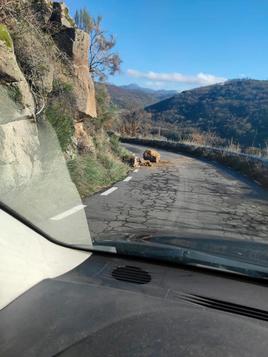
x: 134, y: 162
x: 151, y: 155
x: 143, y: 162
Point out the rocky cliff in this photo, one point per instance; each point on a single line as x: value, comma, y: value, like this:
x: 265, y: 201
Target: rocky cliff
x: 75, y: 44
x: 40, y: 47
x: 19, y: 143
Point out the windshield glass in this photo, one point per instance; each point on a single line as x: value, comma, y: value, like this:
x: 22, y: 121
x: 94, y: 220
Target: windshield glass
x: 101, y: 144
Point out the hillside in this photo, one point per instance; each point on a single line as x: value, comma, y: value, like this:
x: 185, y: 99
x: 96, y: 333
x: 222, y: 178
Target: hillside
x: 237, y: 109
x: 133, y: 97
x: 46, y: 88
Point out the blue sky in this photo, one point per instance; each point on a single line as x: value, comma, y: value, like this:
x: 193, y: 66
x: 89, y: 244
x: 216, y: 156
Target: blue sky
x: 181, y: 44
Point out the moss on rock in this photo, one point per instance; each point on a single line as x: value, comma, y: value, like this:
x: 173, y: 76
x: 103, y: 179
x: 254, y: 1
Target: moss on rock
x: 5, y: 36
x: 14, y: 93
x: 68, y: 17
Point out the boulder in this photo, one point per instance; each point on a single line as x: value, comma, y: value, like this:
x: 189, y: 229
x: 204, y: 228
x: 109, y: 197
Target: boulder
x: 151, y: 155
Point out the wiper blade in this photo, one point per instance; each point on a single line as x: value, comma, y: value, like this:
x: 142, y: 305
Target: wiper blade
x: 184, y: 256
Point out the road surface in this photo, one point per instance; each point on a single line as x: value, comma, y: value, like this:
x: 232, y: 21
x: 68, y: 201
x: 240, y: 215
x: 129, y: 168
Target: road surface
x: 183, y: 197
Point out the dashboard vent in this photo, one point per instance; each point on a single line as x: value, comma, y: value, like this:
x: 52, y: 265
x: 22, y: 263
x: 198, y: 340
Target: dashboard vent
x: 227, y: 306
x: 131, y: 274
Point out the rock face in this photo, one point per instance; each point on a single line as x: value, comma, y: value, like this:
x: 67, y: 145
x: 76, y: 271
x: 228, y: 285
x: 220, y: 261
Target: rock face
x: 84, y: 142
x: 19, y: 136
x: 19, y: 153
x: 19, y: 143
x: 12, y: 79
x: 151, y: 155
x: 84, y: 86
x: 75, y: 43
x: 60, y: 14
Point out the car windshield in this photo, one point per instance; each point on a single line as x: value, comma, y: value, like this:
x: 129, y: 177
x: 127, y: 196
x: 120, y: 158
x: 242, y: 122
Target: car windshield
x: 148, y: 141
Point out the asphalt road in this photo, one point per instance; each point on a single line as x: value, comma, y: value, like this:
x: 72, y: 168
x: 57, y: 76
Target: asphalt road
x: 183, y: 197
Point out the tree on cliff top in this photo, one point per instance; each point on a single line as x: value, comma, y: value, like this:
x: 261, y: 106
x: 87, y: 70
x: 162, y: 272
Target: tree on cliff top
x: 102, y: 61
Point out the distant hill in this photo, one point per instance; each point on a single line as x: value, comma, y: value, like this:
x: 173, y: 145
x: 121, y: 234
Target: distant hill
x: 237, y: 109
x: 133, y: 97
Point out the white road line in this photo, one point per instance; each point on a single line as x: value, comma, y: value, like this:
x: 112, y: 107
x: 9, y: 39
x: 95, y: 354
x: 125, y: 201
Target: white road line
x: 136, y: 170
x: 127, y: 179
x: 67, y: 213
x: 112, y: 189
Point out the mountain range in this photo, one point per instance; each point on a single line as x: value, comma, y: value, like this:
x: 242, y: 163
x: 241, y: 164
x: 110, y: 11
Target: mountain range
x: 132, y: 96
x: 236, y: 109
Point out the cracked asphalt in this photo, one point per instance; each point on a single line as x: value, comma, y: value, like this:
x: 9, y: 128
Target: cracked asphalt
x: 183, y: 197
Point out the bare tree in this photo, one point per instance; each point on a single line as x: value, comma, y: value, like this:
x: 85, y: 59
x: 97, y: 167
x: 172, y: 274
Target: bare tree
x: 135, y: 123
x: 102, y: 60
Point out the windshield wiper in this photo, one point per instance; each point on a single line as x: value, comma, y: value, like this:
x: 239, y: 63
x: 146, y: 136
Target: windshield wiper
x: 184, y: 256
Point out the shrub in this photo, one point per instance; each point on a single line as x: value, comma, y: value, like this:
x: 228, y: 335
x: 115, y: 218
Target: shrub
x: 118, y: 149
x: 62, y: 123
x: 60, y: 87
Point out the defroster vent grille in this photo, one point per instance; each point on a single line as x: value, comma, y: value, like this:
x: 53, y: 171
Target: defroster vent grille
x: 131, y: 274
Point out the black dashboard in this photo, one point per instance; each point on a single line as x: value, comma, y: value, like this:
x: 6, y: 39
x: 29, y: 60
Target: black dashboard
x: 116, y: 306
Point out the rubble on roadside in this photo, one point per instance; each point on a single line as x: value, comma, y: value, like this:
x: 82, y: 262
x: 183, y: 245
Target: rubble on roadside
x: 143, y: 162
x: 149, y: 158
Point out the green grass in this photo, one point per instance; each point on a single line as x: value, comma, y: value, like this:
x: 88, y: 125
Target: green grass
x: 118, y: 149
x: 62, y: 123
x: 5, y: 36
x: 91, y: 173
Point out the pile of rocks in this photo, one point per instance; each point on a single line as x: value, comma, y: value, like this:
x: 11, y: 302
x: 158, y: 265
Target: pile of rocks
x: 149, y: 157
x: 143, y: 162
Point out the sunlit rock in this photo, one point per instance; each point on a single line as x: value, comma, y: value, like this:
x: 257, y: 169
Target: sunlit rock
x: 151, y: 155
